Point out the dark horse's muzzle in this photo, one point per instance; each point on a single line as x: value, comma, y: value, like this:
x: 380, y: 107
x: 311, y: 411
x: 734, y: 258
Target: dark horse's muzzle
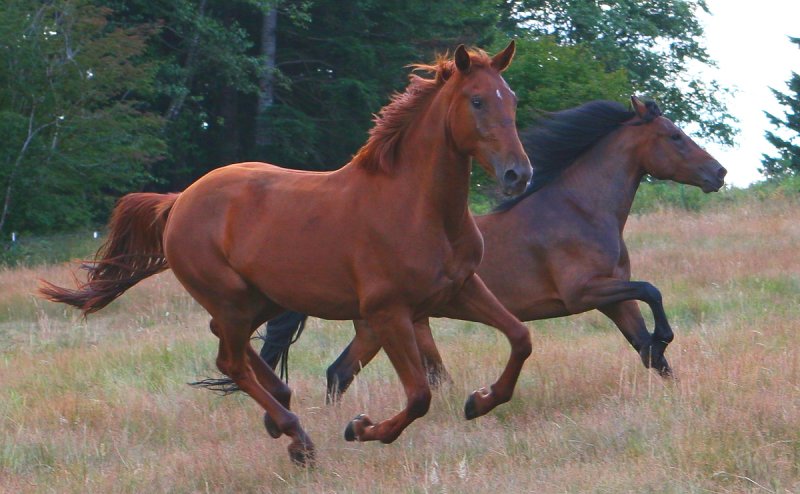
x: 712, y: 176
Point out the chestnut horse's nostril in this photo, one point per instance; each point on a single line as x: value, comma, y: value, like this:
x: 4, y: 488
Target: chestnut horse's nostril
x: 510, y: 177
x: 722, y: 172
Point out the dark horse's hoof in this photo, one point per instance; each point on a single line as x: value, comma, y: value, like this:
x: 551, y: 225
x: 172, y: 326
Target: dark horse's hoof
x: 272, y: 427
x: 350, y: 431
x: 302, y: 455
x: 471, y: 408
x: 653, y: 358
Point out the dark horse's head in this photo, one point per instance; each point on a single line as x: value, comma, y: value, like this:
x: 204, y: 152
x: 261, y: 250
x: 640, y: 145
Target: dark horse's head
x: 482, y: 117
x: 667, y: 153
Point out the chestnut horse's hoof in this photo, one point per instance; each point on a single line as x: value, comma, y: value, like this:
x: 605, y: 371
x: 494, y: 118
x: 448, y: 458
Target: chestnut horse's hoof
x: 272, y: 427
x: 473, y: 408
x: 356, y: 427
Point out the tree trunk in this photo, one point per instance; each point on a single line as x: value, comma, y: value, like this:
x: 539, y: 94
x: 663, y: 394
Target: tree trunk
x: 17, y: 162
x: 176, y: 104
x: 266, y: 85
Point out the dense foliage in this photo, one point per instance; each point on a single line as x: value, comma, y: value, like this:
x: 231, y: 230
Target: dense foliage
x: 787, y: 162
x: 103, y: 97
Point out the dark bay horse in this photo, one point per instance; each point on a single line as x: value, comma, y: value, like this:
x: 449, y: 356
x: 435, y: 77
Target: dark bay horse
x: 387, y: 238
x: 558, y: 249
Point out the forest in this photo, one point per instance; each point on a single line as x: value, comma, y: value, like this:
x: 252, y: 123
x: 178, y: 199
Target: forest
x: 105, y: 97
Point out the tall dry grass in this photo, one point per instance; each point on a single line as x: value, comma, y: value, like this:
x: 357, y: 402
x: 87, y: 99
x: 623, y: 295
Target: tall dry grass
x: 102, y: 406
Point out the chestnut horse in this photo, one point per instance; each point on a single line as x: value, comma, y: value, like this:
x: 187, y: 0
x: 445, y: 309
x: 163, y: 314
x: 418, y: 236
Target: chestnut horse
x: 558, y: 249
x: 387, y: 238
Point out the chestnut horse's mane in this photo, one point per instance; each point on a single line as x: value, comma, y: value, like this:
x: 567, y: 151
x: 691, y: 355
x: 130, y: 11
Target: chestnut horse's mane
x: 379, y: 153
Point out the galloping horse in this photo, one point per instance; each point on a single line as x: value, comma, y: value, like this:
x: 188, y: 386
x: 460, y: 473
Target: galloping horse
x: 387, y: 238
x: 558, y: 249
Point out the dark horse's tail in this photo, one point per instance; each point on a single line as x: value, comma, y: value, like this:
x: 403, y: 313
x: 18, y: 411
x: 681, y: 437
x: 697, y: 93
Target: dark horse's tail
x: 133, y: 251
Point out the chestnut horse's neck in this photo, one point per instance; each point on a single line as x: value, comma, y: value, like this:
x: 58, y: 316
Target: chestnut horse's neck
x: 430, y: 172
x: 604, y: 179
x: 435, y: 171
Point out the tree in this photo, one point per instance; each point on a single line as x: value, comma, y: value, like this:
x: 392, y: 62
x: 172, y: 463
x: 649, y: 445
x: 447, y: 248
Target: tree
x: 787, y: 162
x: 338, y: 68
x: 75, y: 133
x: 653, y: 40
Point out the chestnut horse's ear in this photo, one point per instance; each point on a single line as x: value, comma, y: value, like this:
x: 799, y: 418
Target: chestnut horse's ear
x: 462, y: 59
x: 502, y: 60
x: 639, y: 108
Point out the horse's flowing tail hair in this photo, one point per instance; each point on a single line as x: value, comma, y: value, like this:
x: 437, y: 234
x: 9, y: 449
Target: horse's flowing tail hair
x: 133, y: 251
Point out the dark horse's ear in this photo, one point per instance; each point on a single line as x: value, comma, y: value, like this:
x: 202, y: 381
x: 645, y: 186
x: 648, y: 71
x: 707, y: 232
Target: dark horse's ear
x: 640, y: 108
x: 462, y: 59
x: 502, y: 60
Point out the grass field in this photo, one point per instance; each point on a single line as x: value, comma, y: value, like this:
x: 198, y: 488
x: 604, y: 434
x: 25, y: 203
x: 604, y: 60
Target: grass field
x: 102, y: 405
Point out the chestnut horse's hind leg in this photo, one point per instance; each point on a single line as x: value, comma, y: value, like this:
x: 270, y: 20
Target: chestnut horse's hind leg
x: 396, y: 334
x: 628, y: 318
x: 476, y: 303
x: 238, y: 360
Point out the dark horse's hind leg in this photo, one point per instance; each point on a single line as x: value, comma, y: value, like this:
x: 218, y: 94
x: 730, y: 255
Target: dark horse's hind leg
x: 605, y: 293
x: 431, y: 359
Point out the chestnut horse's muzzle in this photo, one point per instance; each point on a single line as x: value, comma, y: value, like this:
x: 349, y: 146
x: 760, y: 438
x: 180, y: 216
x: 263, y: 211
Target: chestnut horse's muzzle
x: 515, y: 178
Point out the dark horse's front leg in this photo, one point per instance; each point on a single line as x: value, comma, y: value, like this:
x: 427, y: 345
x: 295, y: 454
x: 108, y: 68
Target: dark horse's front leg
x: 617, y: 299
x: 365, y: 345
x: 476, y: 303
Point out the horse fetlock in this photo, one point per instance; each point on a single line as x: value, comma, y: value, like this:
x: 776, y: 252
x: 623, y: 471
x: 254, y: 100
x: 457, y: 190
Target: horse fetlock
x: 289, y: 425
x: 521, y: 345
x: 419, y: 403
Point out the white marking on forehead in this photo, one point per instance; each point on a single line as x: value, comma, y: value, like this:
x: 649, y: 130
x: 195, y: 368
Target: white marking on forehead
x: 497, y: 92
x: 507, y: 87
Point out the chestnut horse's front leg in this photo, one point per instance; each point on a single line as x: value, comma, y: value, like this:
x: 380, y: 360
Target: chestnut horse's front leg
x: 395, y: 332
x: 476, y: 303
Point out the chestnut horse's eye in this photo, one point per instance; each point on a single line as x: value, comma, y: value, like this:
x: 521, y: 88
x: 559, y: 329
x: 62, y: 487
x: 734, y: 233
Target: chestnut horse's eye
x: 477, y: 103
x: 676, y: 136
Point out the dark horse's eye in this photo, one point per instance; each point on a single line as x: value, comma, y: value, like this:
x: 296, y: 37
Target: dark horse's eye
x: 676, y: 136
x: 477, y: 103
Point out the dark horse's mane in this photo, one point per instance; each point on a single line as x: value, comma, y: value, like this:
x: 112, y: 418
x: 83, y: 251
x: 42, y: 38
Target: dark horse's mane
x: 557, y: 139
x: 379, y: 153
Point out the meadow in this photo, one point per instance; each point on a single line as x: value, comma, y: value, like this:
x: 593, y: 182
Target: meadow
x: 102, y: 405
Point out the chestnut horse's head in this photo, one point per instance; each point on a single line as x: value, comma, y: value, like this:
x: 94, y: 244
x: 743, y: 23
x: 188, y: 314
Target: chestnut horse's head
x: 482, y: 117
x: 667, y: 153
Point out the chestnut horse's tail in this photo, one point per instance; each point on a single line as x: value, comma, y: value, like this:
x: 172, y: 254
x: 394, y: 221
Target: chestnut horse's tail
x: 133, y: 251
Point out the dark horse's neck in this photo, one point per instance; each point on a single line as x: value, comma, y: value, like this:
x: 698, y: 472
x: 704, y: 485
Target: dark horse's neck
x: 603, y: 181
